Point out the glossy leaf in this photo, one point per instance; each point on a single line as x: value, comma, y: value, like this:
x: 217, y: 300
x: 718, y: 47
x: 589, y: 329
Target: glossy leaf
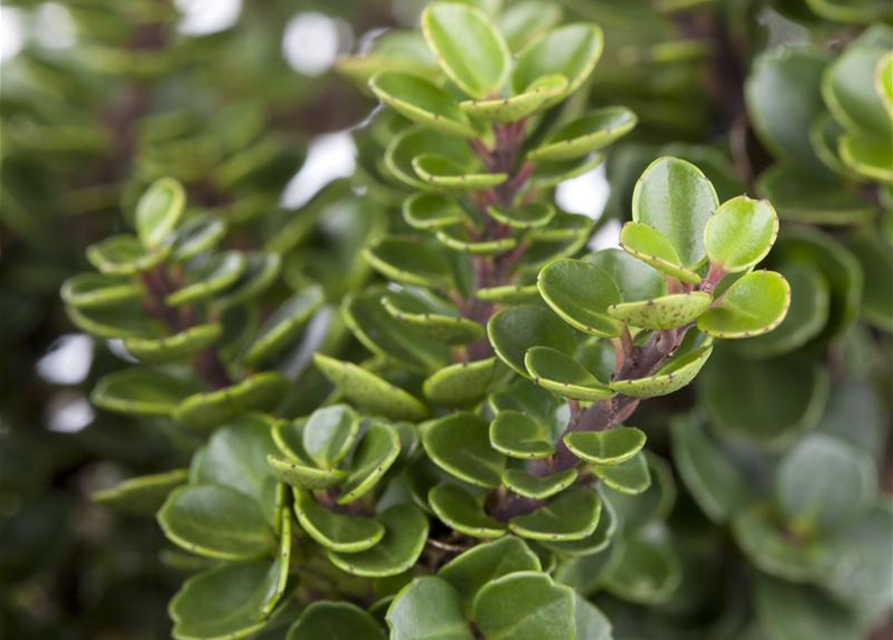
x: 284, y: 324
x: 561, y: 374
x: 572, y: 51
x: 675, y: 198
x: 572, y: 515
x: 468, y: 47
x: 178, y: 346
x: 368, y: 391
x: 754, y: 304
x: 460, y: 445
x: 329, y: 434
x: 305, y: 475
x: 429, y: 607
x: 378, y: 450
x: 406, y: 530
x: 208, y: 279
x: 123, y: 255
x: 589, y: 133
x: 525, y: 606
x: 513, y: 108
x: 514, y: 330
x: 630, y: 477
x: 740, y: 233
x: 463, y: 512
x: 442, y: 172
x: 613, y: 446
x: 519, y: 436
x: 336, y: 531
x: 197, y: 235
x: 525, y: 216
x: 410, y: 261
x: 635, y: 279
x: 462, y: 384
x: 653, y: 248
x: 261, y: 271
x: 142, y: 495
x: 580, y: 293
x: 95, y: 290
x: 413, y: 142
x: 158, y: 211
x: 432, y: 211
x: 216, y: 522
x: 868, y: 157
x: 421, y: 101
x: 538, y: 487
x: 459, y: 239
x: 440, y: 322
x: 142, y: 391
x: 205, y: 410
x: 671, y: 377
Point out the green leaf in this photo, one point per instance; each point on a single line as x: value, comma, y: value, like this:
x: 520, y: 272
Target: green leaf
x: 411, y: 261
x: 766, y: 401
x: 459, y: 239
x: 591, y: 623
x: 441, y: 172
x: 468, y: 47
x: 773, y: 549
x: 806, y: 315
x: 580, y: 293
x: 236, y: 457
x: 538, y: 487
x: 463, y: 512
x: 462, y: 384
x: 630, y: 477
x: 379, y: 448
x: 563, y: 375
x: 740, y: 233
x: 284, y: 324
x: 711, y: 478
x: 370, y: 322
x: 433, y: 318
x: 868, y: 157
x: 675, y: 198
x: 471, y: 571
x: 142, y: 495
x: 876, y: 259
x: 883, y: 81
x: 421, y: 101
x: 432, y: 211
x: 123, y: 255
x: 414, y: 141
x: 260, y: 391
x: 754, y: 304
x: 460, y: 445
x: 635, y: 279
x: 511, y: 109
x: 666, y: 312
x: 595, y: 543
x: 217, y: 522
x: 783, y: 98
x: 550, y: 174
x: 671, y: 377
x: 526, y: 605
x: 523, y: 21
x: 261, y: 271
x: 848, y: 87
x: 336, y: 531
x: 428, y: 609
x: 509, y: 294
x: 95, y: 290
x: 653, y: 248
x: 591, y: 132
x: 302, y: 474
x: 613, y: 446
x: 514, y: 330
x: 227, y: 602
x: 572, y: 51
x: 209, y: 278
x: 406, y: 530
x: 823, y: 485
x: 648, y: 573
x: 368, y: 391
x: 520, y: 436
x: 158, y: 211
x: 523, y: 216
x: 329, y: 434
x: 639, y: 511
x: 198, y: 234
x: 797, y: 612
x: 572, y: 515
x: 141, y: 391
x: 335, y: 621
x: 179, y: 346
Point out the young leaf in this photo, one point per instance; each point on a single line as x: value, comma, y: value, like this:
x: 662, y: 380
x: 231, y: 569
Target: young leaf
x: 671, y: 377
x: 571, y: 51
x: 432, y: 211
x: 653, y: 248
x: 514, y: 108
x: 675, y: 198
x: 740, y: 233
x: 525, y: 216
x: 635, y: 279
x: 630, y: 477
x: 587, y: 134
x: 468, y: 47
x: 441, y: 172
x: 158, y: 211
x: 754, y: 304
x: 421, y: 101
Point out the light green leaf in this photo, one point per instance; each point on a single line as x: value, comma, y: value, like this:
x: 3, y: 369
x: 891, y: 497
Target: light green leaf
x: 523, y: 21
x: 511, y: 109
x: 572, y: 50
x: 415, y: 141
x: 519, y: 436
x: 753, y: 305
x: 630, y: 477
x: 613, y: 446
x: 379, y: 448
x: 421, y: 101
x: 123, y: 255
x: 538, y: 487
x: 580, y: 292
x: 468, y: 47
x: 209, y: 278
x: 329, y: 434
x: 336, y: 531
x: 406, y: 530
x: 524, y: 216
x: 740, y: 233
x: 432, y: 211
x: 261, y: 271
x: 179, y: 346
x: 653, y: 248
x: 635, y: 279
x: 671, y: 377
x: 572, y: 515
x: 666, y: 312
x: 95, y: 290
x: 459, y: 239
x: 868, y: 157
x: 589, y: 133
x: 675, y: 198
x: 463, y: 512
x: 158, y: 211
x: 561, y: 374
x: 142, y: 391
x: 441, y: 172
x: 284, y: 324
x: 198, y: 234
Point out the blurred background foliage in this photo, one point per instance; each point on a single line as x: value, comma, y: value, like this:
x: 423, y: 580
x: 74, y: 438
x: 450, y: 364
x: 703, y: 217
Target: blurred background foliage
x: 252, y: 107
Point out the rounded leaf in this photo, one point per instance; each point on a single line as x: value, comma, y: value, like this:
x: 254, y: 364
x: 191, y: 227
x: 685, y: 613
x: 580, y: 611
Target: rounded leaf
x: 142, y: 391
x: 421, y: 101
x: 519, y: 436
x: 572, y: 515
x: 329, y: 435
x: 336, y: 531
x: 432, y: 211
x: 179, y: 346
x: 434, y: 320
x: 538, y: 487
x: 589, y: 133
x: 635, y: 279
x: 199, y: 234
x: 653, y: 248
x: 671, y: 377
x: 123, y: 255
x: 523, y: 216
x: 740, y: 233
x: 429, y: 607
x: 572, y: 51
x: 95, y: 290
x: 335, y: 621
x: 631, y: 477
x: 525, y: 606
x: 462, y: 384
x: 444, y: 173
x: 379, y: 448
x: 142, y: 495
x: 667, y: 312
x: 754, y: 304
x: 613, y: 446
x: 561, y: 374
x: 158, y: 211
x: 580, y: 292
x: 463, y: 512
x: 283, y: 326
x: 211, y: 277
x: 460, y: 445
x: 514, y: 330
x: 511, y: 109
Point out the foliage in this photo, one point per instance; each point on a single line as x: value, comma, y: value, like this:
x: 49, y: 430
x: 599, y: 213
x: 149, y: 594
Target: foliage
x: 422, y: 405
